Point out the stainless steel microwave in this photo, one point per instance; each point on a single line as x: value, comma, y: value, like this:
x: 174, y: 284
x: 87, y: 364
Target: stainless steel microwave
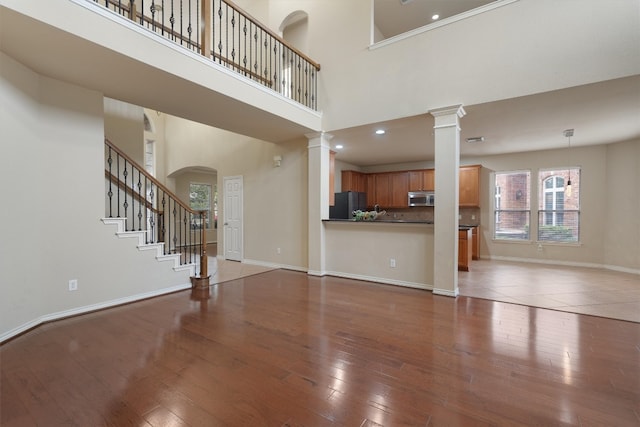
x: 421, y: 198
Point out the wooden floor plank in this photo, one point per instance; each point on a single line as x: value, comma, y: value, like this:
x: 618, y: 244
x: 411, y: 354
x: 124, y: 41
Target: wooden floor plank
x: 286, y: 349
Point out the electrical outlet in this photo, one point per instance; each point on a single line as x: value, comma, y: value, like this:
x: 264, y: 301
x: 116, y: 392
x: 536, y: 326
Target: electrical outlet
x: 278, y: 251
x: 392, y: 263
x: 473, y: 217
x: 539, y: 247
x: 459, y: 216
x: 73, y: 285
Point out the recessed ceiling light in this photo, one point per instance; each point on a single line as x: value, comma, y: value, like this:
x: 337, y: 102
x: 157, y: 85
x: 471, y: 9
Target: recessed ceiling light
x: 380, y: 132
x: 436, y: 16
x: 339, y: 147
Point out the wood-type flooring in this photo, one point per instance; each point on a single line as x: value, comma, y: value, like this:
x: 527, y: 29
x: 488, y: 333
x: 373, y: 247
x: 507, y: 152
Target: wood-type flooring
x: 285, y: 349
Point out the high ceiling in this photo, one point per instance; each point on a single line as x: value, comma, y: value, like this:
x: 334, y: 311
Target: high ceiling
x: 393, y: 17
x: 604, y: 112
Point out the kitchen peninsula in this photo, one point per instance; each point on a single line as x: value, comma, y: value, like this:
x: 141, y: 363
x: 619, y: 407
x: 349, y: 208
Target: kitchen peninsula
x: 396, y: 252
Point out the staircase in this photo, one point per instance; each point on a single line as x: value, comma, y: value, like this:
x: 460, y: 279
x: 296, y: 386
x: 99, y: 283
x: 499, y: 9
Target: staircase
x: 142, y: 208
x: 157, y: 247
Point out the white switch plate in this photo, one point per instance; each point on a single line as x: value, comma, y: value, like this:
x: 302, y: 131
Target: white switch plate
x: 73, y: 285
x: 392, y: 263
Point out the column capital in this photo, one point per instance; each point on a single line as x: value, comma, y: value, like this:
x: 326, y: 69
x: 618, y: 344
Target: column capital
x: 447, y: 116
x: 323, y: 137
x: 447, y: 111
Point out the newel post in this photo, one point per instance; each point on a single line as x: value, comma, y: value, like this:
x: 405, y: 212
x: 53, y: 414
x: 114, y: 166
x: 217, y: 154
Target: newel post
x: 207, y: 28
x: 203, y: 280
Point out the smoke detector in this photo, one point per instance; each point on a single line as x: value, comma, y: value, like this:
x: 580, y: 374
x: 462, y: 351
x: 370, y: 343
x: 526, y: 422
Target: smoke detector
x: 403, y: 2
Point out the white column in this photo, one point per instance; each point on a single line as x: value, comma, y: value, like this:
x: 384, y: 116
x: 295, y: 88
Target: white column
x: 318, y: 203
x: 445, y: 230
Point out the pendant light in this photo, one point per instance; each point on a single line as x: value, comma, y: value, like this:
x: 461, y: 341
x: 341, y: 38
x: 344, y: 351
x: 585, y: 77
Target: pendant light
x: 568, y: 134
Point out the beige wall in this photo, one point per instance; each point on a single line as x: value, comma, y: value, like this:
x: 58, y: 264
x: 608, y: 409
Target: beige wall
x: 622, y: 201
x: 124, y: 127
x: 51, y: 229
x: 504, y: 49
x: 275, y: 198
x: 592, y: 161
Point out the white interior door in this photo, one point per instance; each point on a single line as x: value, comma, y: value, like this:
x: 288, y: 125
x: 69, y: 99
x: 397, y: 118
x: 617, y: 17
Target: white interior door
x: 233, y: 218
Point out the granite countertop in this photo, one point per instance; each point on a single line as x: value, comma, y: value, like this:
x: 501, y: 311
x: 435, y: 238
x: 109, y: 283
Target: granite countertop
x: 400, y: 221
x: 384, y: 221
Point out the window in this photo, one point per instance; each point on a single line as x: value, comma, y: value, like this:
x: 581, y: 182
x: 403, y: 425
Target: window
x: 512, y: 205
x: 200, y: 200
x: 559, y: 207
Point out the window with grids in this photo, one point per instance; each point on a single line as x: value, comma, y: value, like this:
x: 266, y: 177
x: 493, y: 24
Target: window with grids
x: 559, y: 205
x: 200, y: 200
x: 512, y: 207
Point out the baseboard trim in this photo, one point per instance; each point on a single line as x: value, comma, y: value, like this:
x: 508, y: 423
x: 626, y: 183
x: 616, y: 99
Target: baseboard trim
x: 446, y: 292
x: 89, y: 308
x: 274, y: 265
x: 564, y: 263
x: 621, y: 269
x: 382, y: 280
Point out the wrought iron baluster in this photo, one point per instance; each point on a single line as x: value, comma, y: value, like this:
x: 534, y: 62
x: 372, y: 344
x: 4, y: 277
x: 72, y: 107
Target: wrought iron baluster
x: 126, y: 204
x: 233, y: 40
x: 110, y: 193
x: 118, y: 182
x: 175, y: 225
x: 152, y: 221
x: 244, y: 58
x: 164, y: 220
x: 146, y: 210
x: 220, y: 31
x: 189, y: 28
x: 226, y: 29
x: 184, y: 238
x: 172, y: 20
x: 139, y: 197
x: 181, y: 19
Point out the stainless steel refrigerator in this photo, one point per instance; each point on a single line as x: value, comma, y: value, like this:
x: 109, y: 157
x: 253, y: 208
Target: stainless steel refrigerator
x: 347, y: 202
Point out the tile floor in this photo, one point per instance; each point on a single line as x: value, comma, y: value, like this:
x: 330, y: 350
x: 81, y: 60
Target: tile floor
x: 592, y: 291
x: 222, y: 270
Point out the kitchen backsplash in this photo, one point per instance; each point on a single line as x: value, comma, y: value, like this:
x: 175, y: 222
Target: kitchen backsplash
x: 470, y: 216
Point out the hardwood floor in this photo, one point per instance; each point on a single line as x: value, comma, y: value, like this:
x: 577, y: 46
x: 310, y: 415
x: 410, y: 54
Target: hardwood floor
x: 285, y: 349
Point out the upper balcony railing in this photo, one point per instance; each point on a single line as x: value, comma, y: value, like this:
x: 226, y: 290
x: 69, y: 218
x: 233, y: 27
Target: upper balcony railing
x: 224, y: 33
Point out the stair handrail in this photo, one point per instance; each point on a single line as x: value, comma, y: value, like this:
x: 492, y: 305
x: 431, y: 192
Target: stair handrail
x: 272, y: 34
x: 203, y: 26
x: 150, y: 177
x: 170, y: 194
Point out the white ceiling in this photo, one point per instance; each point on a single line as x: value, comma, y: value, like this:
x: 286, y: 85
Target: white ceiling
x: 600, y: 113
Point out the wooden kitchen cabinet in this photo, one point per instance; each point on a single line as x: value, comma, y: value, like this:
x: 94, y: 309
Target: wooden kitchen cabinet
x: 475, y: 243
x: 371, y: 190
x: 421, y: 180
x: 464, y: 249
x: 383, y: 190
x: 399, y: 189
x: 469, y: 186
x: 354, y: 181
